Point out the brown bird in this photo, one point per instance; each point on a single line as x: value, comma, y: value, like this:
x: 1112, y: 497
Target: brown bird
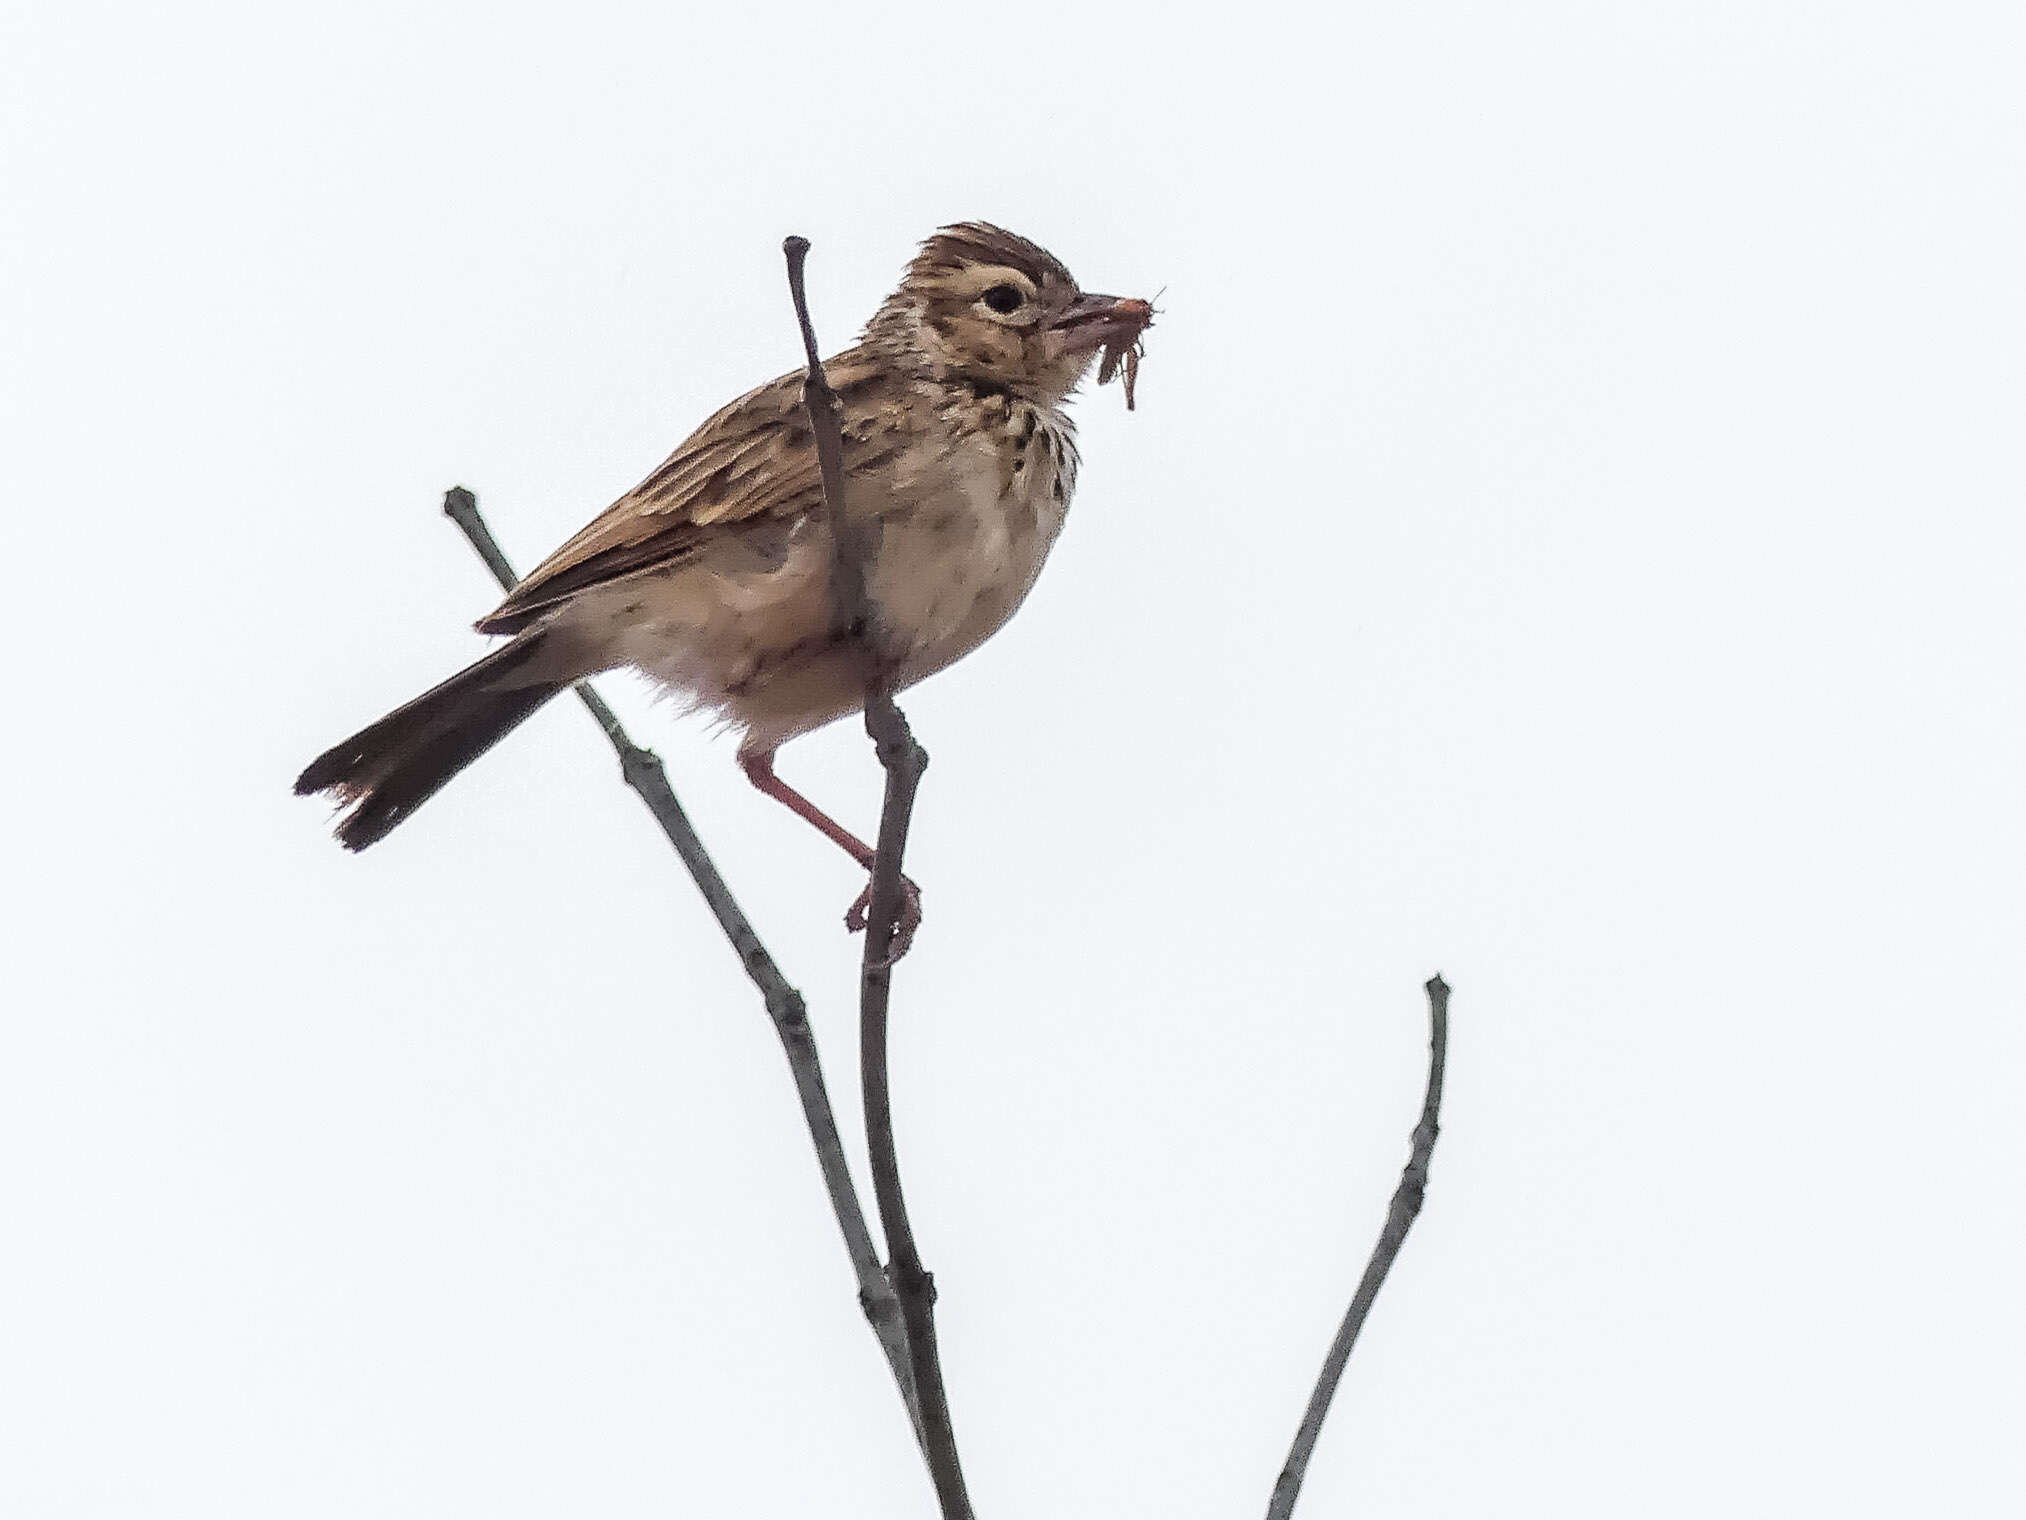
x: 713, y: 575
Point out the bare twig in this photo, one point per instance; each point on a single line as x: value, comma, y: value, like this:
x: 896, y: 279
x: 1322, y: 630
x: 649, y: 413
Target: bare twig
x: 903, y: 761
x: 643, y: 771
x: 848, y: 590
x: 1406, y: 1204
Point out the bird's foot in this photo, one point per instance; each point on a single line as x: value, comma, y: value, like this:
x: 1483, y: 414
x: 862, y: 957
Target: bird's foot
x: 906, y: 919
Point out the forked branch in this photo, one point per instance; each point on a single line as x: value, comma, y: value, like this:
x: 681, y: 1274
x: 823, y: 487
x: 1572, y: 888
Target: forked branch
x: 899, y: 1298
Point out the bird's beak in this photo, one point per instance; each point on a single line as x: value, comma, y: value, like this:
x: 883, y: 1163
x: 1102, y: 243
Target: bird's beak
x: 1093, y: 322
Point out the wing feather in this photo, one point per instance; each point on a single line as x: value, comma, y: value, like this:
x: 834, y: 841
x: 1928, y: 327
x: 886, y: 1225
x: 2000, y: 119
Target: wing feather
x: 753, y: 460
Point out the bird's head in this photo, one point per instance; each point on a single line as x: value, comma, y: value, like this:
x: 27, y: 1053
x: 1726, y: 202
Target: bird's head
x: 981, y: 304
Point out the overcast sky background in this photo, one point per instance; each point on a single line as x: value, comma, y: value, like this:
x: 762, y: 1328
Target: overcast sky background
x: 1570, y: 538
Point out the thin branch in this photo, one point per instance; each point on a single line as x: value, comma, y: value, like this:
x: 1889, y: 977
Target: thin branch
x: 850, y: 577
x: 904, y: 761
x: 643, y: 772
x: 1399, y: 1217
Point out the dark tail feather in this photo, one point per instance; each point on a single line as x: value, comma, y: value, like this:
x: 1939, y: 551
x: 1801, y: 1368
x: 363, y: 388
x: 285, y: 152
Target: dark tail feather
x: 387, y: 770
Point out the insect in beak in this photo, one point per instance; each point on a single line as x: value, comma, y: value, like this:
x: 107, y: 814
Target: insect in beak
x: 1094, y: 322
x: 1114, y: 324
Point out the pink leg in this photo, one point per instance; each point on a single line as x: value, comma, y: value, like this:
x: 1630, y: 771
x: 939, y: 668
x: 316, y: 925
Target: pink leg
x: 759, y: 768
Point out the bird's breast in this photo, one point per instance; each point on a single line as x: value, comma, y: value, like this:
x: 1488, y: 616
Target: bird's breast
x: 965, y: 535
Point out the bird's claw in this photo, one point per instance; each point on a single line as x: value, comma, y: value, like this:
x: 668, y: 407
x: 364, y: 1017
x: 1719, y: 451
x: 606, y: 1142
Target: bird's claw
x: 905, y: 921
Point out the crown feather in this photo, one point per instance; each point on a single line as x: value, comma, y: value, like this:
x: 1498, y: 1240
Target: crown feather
x: 964, y: 243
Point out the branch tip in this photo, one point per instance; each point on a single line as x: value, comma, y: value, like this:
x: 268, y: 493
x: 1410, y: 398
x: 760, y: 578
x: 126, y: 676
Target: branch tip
x: 1400, y: 1216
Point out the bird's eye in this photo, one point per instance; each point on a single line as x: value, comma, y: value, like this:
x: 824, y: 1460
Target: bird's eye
x: 1004, y: 299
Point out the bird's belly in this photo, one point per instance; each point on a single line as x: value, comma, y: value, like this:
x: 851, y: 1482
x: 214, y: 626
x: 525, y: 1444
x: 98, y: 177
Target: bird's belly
x: 951, y: 571
x: 761, y: 643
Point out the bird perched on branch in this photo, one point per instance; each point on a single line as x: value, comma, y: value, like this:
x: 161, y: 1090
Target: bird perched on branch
x: 714, y: 576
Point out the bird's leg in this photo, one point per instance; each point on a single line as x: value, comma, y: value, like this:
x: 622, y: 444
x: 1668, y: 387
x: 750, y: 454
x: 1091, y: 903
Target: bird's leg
x: 759, y: 768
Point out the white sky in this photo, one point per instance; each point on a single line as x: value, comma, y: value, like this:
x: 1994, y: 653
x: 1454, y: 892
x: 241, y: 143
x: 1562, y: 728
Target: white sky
x: 1570, y: 538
